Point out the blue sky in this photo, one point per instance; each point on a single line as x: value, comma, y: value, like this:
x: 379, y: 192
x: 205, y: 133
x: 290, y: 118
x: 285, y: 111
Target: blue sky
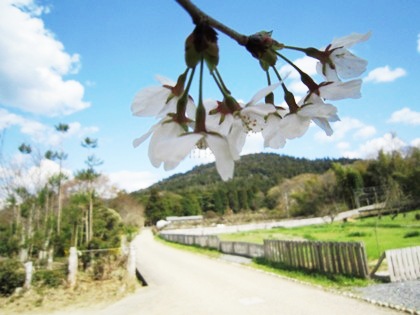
x: 81, y: 62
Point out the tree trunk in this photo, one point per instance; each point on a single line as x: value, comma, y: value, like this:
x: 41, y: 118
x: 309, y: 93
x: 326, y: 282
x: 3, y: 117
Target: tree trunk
x: 60, y: 205
x: 91, y: 214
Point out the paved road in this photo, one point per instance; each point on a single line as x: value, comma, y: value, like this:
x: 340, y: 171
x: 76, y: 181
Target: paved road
x: 185, y: 283
x: 182, y: 283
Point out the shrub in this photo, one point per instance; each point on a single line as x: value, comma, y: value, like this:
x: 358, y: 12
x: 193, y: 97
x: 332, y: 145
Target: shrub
x: 357, y: 234
x: 49, y: 278
x: 412, y: 234
x: 417, y: 216
x: 12, y: 276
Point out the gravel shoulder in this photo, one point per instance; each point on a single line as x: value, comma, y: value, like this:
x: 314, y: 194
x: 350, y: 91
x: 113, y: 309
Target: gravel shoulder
x: 400, y: 295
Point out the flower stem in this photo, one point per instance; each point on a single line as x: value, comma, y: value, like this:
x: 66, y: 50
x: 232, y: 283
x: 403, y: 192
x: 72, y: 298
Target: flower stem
x: 181, y: 105
x: 199, y: 16
x: 304, y: 77
x: 200, y: 114
x: 288, y: 96
x: 295, y: 48
x: 220, y: 85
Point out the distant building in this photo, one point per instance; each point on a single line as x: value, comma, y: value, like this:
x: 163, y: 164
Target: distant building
x: 190, y: 218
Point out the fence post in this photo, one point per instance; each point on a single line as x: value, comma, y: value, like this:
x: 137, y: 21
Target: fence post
x: 23, y: 254
x: 131, y: 262
x: 50, y: 259
x: 124, y: 246
x: 28, y: 274
x: 72, y: 267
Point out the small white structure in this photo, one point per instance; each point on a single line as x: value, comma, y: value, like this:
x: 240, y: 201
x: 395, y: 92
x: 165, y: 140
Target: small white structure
x: 161, y: 224
x: 185, y: 218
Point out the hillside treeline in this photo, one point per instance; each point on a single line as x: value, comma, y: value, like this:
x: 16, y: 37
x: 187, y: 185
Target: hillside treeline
x: 287, y: 187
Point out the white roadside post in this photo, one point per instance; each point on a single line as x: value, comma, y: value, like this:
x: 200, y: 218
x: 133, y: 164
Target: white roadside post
x: 72, y: 267
x: 28, y: 274
x: 131, y: 262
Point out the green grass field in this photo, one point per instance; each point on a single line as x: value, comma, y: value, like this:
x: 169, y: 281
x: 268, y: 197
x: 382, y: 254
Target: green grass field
x: 378, y: 235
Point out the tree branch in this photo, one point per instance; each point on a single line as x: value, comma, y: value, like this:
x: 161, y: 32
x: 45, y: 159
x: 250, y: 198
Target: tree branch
x: 199, y: 16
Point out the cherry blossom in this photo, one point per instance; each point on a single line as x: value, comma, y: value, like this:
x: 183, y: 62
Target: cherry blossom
x: 337, y: 61
x: 159, y: 100
x: 340, y: 90
x: 235, y: 124
x: 175, y: 149
x: 161, y: 133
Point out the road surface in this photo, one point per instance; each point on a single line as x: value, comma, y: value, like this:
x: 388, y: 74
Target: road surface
x: 183, y: 283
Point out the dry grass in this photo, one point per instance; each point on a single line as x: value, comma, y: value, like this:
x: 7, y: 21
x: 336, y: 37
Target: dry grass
x: 87, y: 293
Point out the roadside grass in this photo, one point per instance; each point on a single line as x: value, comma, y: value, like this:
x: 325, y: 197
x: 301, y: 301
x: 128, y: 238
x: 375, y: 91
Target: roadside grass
x: 212, y: 253
x: 378, y: 234
x: 329, y: 281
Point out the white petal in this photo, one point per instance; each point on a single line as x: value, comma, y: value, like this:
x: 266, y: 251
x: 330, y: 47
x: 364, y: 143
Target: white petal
x: 158, y: 150
x: 349, y: 40
x: 260, y: 109
x: 348, y: 65
x: 318, y: 110
x: 138, y: 141
x: 323, y: 124
x: 150, y: 101
x: 190, y: 109
x: 341, y: 90
x: 262, y: 93
x: 164, y: 80
x: 176, y: 149
x: 326, y: 71
x: 213, y: 123
x: 236, y: 138
x: 294, y: 126
x: 224, y: 160
x: 276, y: 141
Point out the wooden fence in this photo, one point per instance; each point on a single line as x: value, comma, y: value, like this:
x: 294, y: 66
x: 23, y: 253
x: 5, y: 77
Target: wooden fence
x: 403, y: 263
x: 327, y: 257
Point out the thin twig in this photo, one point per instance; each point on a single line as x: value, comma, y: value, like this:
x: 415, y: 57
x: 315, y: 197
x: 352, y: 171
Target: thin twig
x: 199, y: 16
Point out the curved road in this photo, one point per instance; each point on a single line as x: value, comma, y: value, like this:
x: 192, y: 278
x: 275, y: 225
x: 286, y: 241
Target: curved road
x: 182, y: 283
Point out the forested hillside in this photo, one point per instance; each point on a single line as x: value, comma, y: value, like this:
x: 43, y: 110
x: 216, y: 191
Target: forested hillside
x: 287, y: 186
x: 202, y: 191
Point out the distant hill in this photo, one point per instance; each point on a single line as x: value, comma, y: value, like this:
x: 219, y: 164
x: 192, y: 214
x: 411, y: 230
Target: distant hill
x: 263, y: 170
x: 201, y: 191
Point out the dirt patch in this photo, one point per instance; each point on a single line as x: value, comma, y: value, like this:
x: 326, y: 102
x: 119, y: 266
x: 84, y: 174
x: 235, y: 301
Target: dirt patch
x: 87, y: 293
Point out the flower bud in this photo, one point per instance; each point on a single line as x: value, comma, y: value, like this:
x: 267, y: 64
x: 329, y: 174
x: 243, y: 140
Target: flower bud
x: 263, y: 47
x: 202, y: 44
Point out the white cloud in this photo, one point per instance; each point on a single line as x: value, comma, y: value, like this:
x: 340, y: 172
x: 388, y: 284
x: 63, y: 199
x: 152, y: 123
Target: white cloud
x: 33, y: 63
x: 405, y: 116
x: 344, y: 127
x: 33, y: 177
x: 418, y: 43
x: 388, y: 143
x: 415, y: 143
x: 132, y: 181
x: 343, y: 145
x: 40, y: 133
x: 385, y: 74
